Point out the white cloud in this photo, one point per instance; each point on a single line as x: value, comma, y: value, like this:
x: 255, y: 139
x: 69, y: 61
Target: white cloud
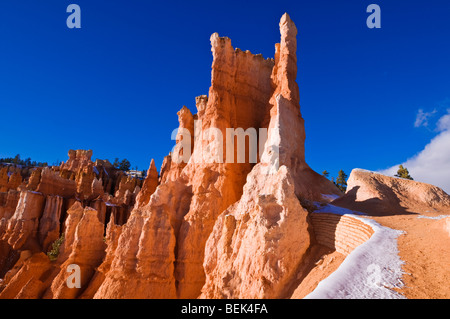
x: 432, y: 164
x: 443, y: 123
x: 422, y: 118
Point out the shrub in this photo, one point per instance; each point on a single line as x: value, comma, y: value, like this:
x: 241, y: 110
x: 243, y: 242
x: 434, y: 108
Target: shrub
x: 54, y: 253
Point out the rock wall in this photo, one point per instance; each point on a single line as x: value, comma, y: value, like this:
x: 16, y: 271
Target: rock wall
x: 258, y: 244
x: 340, y: 233
x: 84, y: 247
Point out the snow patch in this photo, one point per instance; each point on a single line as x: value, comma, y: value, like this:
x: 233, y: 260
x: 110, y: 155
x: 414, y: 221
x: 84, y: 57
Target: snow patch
x: 433, y: 217
x: 337, y: 210
x: 370, y: 271
x: 34, y: 192
x: 110, y: 204
x: 330, y: 197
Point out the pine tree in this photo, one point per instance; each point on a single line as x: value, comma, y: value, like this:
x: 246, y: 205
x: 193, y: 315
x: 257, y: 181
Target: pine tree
x: 16, y: 159
x: 403, y: 173
x: 325, y: 174
x: 116, y: 163
x: 28, y: 162
x: 125, y: 165
x: 341, y: 181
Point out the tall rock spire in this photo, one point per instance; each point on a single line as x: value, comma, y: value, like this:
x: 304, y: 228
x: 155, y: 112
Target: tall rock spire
x: 149, y: 186
x: 285, y: 70
x: 286, y: 138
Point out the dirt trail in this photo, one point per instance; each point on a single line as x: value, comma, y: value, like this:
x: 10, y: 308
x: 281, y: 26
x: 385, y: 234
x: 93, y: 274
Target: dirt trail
x: 425, y: 249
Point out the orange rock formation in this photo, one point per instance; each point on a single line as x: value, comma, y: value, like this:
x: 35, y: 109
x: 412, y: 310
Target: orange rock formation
x: 35, y: 210
x: 208, y: 226
x: 245, y: 92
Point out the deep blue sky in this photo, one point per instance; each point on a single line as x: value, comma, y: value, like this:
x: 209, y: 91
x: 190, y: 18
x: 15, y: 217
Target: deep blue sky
x: 115, y: 85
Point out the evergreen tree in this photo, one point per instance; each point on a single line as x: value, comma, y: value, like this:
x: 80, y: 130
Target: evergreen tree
x: 28, y: 162
x: 116, y: 163
x: 403, y: 173
x: 125, y: 165
x: 325, y: 173
x: 341, y: 181
x: 16, y: 159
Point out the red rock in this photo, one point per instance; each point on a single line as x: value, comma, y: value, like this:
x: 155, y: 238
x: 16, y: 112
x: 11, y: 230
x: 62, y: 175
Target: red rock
x: 183, y: 148
x: 100, y: 206
x: 142, y: 264
x: 257, y: 244
x: 165, y: 168
x: 74, y: 215
x: 77, y: 159
x: 149, y: 186
x: 22, y: 227
x: 4, y: 178
x: 34, y: 180
x: 84, y: 179
x: 286, y: 128
x: 27, y: 280
x: 9, y: 204
x: 15, y: 180
x: 113, y: 232
x: 49, y: 224
x: 238, y: 97
x: 53, y: 184
x: 143, y: 267
x: 125, y: 190
x: 86, y: 250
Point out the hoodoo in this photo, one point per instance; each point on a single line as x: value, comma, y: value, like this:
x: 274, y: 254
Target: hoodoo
x: 208, y: 225
x: 203, y: 199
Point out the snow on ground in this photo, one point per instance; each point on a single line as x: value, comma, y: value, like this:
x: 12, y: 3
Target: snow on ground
x: 433, y: 217
x: 335, y: 210
x: 368, y: 272
x: 330, y: 197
